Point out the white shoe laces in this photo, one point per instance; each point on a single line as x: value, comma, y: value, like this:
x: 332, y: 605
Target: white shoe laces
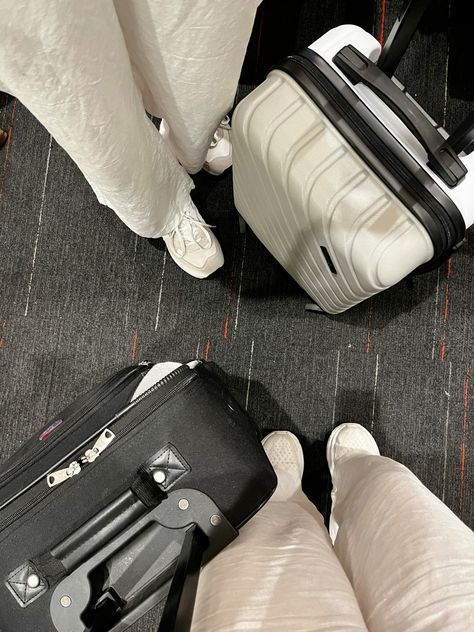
x: 188, y: 231
x: 224, y: 124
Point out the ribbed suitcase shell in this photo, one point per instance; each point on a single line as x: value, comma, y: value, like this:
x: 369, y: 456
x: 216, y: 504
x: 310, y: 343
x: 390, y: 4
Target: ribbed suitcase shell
x: 313, y: 201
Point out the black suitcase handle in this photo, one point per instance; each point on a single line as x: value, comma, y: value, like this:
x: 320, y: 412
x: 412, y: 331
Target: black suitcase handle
x: 164, y: 545
x: 178, y: 612
x: 99, y: 530
x: 442, y: 153
x: 179, y: 608
x: 441, y: 156
x: 400, y: 36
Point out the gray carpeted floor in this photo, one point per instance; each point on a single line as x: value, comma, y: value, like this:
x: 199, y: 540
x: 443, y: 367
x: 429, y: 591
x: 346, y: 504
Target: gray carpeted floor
x: 82, y: 296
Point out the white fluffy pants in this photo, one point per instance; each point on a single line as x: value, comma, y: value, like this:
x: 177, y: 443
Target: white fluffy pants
x: 402, y: 562
x: 88, y: 70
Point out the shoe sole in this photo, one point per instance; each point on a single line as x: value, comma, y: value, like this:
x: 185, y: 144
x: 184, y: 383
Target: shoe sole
x: 193, y: 271
x: 215, y: 173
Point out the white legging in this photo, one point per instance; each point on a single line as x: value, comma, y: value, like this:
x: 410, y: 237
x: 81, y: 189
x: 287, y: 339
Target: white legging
x: 402, y: 562
x: 87, y: 70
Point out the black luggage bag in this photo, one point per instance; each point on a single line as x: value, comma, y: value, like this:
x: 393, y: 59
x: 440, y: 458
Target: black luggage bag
x: 115, y: 500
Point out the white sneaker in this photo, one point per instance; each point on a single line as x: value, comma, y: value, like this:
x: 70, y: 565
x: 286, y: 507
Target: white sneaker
x: 346, y: 441
x: 285, y: 453
x: 193, y: 246
x: 219, y: 155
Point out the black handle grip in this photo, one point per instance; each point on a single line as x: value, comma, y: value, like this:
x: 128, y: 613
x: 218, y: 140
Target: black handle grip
x: 442, y: 158
x: 101, y: 528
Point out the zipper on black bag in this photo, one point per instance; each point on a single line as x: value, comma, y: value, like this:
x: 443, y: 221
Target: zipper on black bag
x: 78, y: 416
x: 182, y: 383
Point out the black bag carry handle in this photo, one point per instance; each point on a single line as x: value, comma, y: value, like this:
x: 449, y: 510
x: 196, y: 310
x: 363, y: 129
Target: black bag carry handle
x: 442, y: 153
x: 183, y: 530
x: 178, y: 612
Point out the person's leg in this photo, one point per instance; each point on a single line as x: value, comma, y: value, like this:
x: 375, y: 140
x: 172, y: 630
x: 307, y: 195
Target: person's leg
x: 409, y: 558
x: 187, y: 57
x: 281, y: 572
x: 68, y: 64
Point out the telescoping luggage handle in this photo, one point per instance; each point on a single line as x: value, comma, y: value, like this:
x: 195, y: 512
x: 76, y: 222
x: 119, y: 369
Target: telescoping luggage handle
x: 442, y: 153
x: 167, y: 543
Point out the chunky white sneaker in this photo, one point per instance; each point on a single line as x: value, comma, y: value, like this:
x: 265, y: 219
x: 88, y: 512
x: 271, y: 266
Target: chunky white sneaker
x: 193, y: 246
x: 346, y: 441
x: 285, y: 453
x: 219, y: 155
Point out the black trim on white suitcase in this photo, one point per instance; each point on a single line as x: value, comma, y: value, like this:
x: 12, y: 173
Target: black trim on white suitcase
x: 443, y: 159
x: 368, y: 136
x: 462, y: 139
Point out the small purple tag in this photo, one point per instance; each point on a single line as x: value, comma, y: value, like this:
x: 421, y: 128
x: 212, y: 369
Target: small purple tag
x: 50, y: 429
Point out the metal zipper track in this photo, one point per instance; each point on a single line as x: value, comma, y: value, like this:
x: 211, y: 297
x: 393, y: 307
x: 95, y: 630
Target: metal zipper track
x: 21, y: 511
x: 133, y: 424
x: 32, y: 457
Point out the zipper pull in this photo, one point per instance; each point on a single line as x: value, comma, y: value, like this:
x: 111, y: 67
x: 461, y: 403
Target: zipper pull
x: 58, y: 477
x: 55, y: 478
x: 99, y: 446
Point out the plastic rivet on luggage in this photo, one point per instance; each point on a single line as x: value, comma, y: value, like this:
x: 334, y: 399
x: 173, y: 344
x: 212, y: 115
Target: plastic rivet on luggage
x: 33, y: 581
x: 66, y: 601
x: 183, y: 504
x: 159, y: 476
x: 215, y: 520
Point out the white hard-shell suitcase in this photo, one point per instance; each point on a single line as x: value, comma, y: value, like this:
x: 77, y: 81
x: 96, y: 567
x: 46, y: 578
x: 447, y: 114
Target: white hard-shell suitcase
x: 342, y: 175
